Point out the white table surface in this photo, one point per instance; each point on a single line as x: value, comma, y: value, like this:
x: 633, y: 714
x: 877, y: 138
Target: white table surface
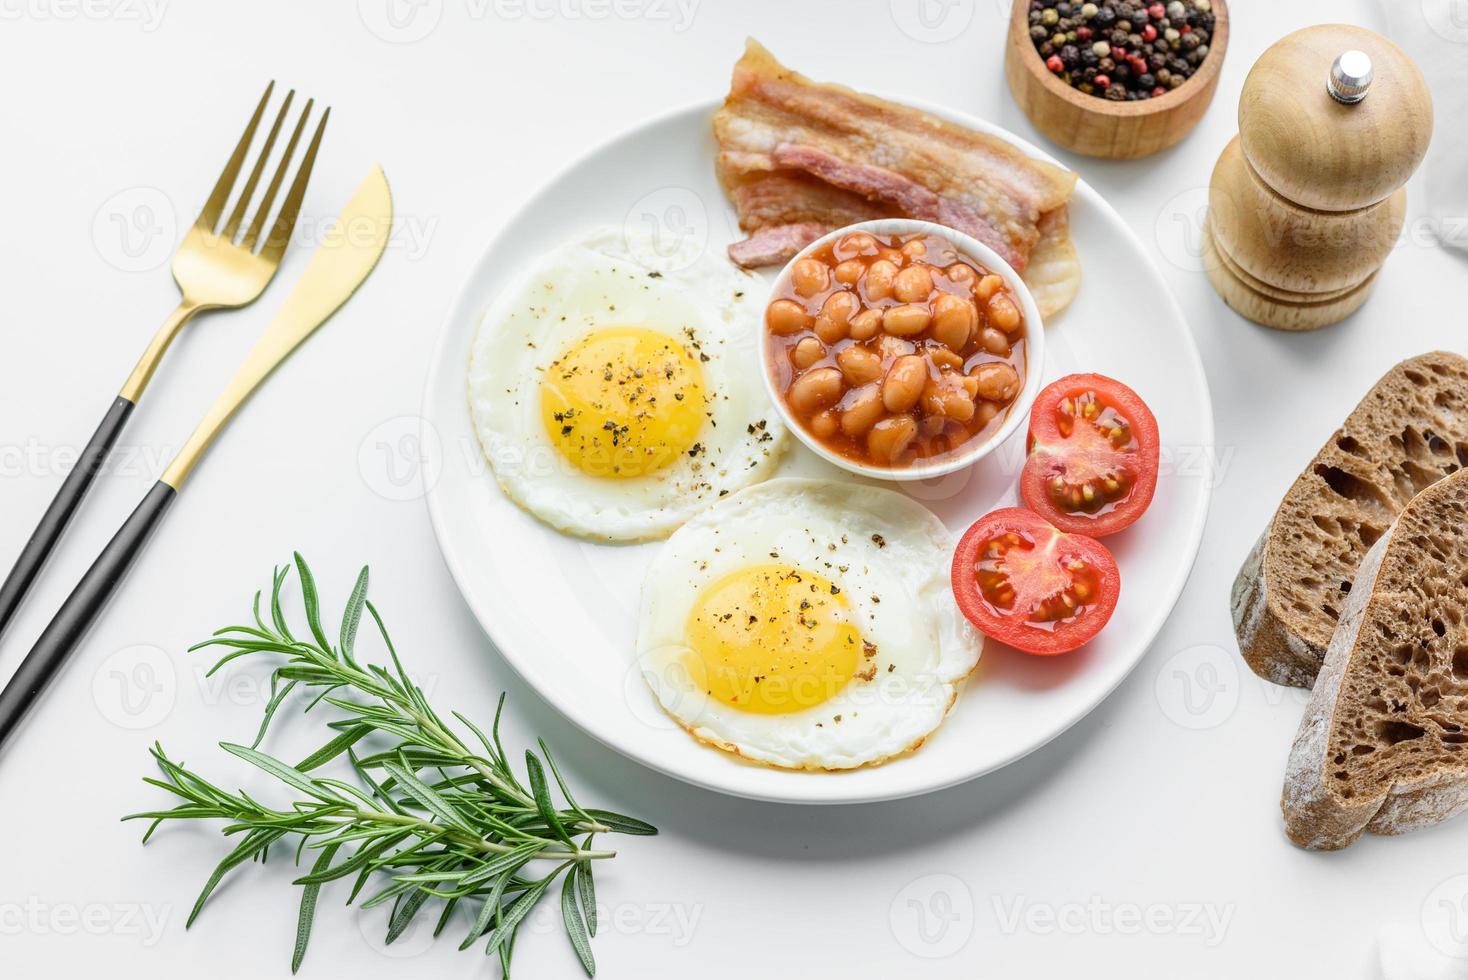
x: 1146, y: 842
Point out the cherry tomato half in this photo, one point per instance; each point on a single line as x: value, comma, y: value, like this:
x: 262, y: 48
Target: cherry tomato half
x: 1092, y: 467
x: 1024, y: 583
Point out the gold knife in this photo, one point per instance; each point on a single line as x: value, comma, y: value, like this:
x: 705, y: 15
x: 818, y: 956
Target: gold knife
x: 343, y: 260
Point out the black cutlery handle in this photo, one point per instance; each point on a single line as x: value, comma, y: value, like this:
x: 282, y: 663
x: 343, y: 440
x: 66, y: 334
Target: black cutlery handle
x: 53, y: 523
x: 81, y: 608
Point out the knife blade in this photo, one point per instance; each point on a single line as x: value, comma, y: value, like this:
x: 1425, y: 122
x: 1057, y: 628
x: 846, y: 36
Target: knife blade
x: 346, y: 256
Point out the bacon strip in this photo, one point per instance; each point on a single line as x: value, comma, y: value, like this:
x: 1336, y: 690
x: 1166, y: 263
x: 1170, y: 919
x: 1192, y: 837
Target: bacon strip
x: 797, y: 154
x: 775, y: 244
x: 910, y: 198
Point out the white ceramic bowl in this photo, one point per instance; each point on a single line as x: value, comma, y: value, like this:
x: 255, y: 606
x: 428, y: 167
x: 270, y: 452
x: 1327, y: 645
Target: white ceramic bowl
x: 1034, y: 352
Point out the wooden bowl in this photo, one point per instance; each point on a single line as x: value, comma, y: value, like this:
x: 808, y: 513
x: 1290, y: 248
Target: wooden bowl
x: 1094, y: 126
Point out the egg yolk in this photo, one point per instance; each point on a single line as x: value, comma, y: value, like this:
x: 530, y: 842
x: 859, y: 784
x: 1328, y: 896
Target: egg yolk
x: 623, y: 401
x: 772, y: 639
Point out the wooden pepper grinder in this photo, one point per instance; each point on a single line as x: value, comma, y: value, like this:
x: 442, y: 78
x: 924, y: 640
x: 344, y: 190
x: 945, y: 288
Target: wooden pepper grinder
x: 1307, y: 201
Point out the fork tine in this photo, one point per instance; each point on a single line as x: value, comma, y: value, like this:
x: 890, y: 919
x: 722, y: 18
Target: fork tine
x: 238, y: 215
x: 263, y: 212
x: 214, y: 207
x: 285, y: 222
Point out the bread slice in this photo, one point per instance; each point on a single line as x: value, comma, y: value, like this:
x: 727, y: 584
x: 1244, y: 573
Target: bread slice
x: 1383, y: 745
x: 1409, y: 431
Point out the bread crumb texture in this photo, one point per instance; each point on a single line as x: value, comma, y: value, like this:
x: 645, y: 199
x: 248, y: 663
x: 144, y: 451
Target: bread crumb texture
x: 1409, y: 431
x: 1383, y: 745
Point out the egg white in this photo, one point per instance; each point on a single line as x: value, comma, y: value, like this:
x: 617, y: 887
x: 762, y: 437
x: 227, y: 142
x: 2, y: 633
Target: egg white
x: 888, y: 554
x: 610, y: 278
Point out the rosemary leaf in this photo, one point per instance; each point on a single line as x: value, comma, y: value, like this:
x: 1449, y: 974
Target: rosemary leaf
x: 308, y: 908
x: 312, y: 602
x: 587, y: 893
x: 352, y: 618
x: 575, y: 925
x: 281, y: 771
x: 510, y: 918
x: 542, y: 797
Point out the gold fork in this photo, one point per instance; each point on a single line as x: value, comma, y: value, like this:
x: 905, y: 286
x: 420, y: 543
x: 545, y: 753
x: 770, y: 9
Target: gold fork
x: 215, y: 268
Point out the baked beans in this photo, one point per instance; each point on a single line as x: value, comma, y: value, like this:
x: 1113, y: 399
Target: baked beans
x: 894, y: 349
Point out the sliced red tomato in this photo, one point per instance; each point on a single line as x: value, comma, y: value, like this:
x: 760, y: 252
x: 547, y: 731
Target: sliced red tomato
x: 1092, y: 467
x: 1024, y: 583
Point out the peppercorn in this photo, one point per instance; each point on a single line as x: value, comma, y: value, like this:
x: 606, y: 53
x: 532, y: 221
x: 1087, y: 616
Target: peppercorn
x: 1140, y: 49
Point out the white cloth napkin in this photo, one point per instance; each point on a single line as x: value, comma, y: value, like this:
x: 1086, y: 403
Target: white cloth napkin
x: 1435, y: 34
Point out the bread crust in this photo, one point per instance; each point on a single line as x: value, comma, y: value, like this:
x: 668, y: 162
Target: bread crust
x: 1271, y: 649
x: 1314, y: 817
x: 1388, y: 449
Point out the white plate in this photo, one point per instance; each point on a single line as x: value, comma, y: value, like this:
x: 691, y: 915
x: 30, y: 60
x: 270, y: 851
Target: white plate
x: 563, y: 611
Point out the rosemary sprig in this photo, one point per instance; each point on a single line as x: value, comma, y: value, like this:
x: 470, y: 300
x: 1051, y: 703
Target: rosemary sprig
x: 432, y: 816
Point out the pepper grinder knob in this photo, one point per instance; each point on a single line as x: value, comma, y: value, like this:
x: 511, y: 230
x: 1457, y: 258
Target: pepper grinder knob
x: 1350, y: 77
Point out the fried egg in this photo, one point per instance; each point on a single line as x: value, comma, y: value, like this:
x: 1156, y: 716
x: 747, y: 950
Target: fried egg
x: 616, y: 389
x: 807, y: 624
